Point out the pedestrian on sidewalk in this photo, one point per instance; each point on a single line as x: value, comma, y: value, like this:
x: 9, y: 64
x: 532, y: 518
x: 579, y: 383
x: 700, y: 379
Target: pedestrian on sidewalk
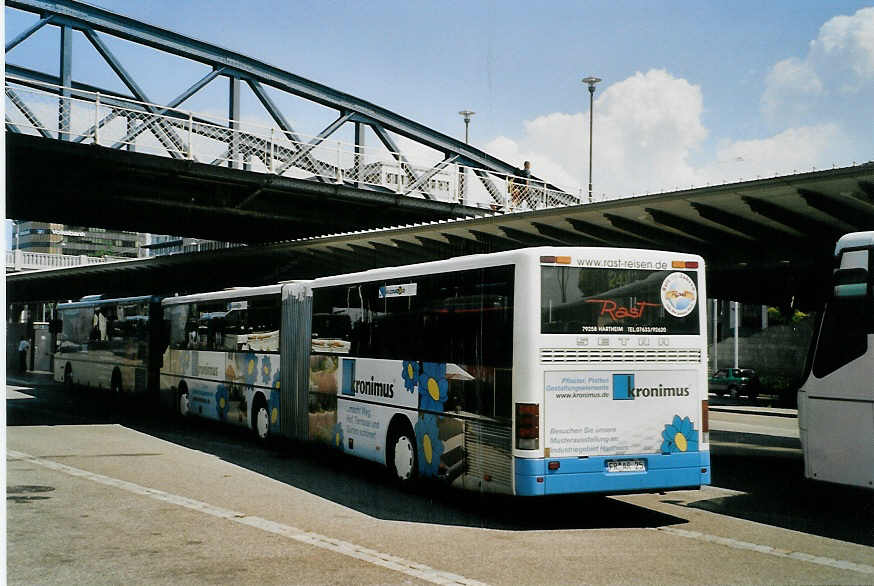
x: 23, y: 349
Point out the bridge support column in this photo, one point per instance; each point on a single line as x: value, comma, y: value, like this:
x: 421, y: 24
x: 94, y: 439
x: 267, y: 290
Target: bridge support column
x: 358, y: 168
x: 234, y: 115
x: 66, y: 71
x: 132, y: 145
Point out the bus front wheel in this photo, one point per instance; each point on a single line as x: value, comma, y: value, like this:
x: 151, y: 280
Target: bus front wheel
x: 402, y: 455
x: 182, y: 401
x: 68, y: 377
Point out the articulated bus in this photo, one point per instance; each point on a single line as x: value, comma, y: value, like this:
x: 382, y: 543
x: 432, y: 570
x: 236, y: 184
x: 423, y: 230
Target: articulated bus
x: 530, y: 372
x: 836, y: 402
x: 109, y: 343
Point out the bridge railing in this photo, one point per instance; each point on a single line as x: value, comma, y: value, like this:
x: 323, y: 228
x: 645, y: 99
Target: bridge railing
x: 19, y: 260
x: 92, y: 118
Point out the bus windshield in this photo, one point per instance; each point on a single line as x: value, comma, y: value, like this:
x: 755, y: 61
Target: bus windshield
x: 577, y: 300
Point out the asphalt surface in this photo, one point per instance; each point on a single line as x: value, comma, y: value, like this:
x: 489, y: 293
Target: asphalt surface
x: 106, y: 491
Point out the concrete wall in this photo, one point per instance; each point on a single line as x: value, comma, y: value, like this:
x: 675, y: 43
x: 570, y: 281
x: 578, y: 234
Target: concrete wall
x: 777, y: 353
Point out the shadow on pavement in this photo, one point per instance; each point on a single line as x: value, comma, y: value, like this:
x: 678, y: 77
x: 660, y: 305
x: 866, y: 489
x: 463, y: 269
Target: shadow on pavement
x: 347, y: 481
x: 776, y: 492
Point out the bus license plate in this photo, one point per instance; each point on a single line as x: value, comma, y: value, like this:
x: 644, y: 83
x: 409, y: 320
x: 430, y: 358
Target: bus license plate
x: 626, y: 466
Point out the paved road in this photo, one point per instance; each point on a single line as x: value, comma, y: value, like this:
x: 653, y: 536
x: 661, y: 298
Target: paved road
x: 100, y: 492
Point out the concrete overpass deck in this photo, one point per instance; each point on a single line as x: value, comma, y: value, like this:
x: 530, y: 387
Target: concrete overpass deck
x: 768, y: 240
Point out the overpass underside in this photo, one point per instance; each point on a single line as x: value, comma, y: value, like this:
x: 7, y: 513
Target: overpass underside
x: 81, y: 184
x: 765, y: 241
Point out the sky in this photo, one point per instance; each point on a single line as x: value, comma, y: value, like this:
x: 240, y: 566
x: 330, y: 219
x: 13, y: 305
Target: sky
x: 693, y: 93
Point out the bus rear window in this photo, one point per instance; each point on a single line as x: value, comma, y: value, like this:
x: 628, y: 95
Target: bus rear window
x: 576, y: 300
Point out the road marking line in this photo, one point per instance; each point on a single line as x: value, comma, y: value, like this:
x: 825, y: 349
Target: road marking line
x: 768, y: 550
x: 371, y: 556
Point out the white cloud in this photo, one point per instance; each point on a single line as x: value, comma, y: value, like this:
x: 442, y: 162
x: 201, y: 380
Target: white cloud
x: 836, y: 74
x: 645, y: 128
x: 796, y: 149
x: 849, y: 39
x: 790, y: 78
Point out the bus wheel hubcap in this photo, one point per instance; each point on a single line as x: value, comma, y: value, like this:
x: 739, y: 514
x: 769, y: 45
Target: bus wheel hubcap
x: 403, y: 458
x: 183, y: 404
x: 263, y: 423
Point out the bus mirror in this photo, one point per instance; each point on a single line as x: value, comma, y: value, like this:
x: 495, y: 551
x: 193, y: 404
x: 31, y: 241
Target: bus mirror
x: 851, y: 291
x: 851, y: 277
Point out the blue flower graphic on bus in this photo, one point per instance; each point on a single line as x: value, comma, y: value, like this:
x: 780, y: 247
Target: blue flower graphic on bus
x: 276, y: 378
x: 222, y: 402
x: 337, y: 438
x: 433, y: 386
x: 680, y: 436
x: 250, y: 368
x: 273, y: 407
x: 266, y: 369
x: 428, y: 445
x: 410, y: 375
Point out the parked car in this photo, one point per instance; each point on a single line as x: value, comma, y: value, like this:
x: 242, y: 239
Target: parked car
x: 736, y: 382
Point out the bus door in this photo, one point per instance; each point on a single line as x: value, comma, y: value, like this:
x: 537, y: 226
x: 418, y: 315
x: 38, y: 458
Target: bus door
x: 836, y: 403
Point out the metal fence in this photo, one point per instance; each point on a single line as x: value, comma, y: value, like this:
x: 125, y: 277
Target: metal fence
x: 18, y: 260
x: 109, y: 121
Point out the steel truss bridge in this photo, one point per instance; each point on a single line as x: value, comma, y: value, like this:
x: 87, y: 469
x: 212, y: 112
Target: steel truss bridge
x: 370, y: 180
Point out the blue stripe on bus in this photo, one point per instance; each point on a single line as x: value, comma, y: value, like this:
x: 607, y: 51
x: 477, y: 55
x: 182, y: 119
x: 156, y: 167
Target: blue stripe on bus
x: 581, y: 475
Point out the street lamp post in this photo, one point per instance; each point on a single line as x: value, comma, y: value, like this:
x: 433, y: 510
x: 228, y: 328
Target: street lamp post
x: 591, y: 81
x: 462, y: 171
x: 467, y: 114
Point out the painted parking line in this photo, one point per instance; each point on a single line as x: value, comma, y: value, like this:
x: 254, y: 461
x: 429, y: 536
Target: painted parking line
x: 346, y: 548
x: 768, y: 550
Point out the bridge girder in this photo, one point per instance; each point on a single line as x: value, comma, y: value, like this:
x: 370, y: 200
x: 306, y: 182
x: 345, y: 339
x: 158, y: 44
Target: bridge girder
x: 93, y: 21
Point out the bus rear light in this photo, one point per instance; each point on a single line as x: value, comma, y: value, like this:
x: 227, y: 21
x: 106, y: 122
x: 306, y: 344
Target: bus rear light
x: 684, y: 264
x: 527, y: 426
x: 554, y: 465
x: 705, y: 417
x: 558, y: 260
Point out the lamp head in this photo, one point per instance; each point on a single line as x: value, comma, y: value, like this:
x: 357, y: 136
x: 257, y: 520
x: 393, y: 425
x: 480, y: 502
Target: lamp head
x: 591, y: 81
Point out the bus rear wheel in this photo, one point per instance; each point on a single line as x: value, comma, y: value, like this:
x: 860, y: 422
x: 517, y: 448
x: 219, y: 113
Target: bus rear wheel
x: 261, y: 419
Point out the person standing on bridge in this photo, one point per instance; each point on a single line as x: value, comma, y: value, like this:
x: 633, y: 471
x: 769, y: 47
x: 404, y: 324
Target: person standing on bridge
x: 519, y: 189
x: 23, y: 349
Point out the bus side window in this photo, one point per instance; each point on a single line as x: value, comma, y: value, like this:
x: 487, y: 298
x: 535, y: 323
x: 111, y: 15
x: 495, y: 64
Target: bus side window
x: 263, y: 321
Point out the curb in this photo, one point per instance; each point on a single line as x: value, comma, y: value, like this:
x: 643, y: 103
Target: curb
x: 742, y: 411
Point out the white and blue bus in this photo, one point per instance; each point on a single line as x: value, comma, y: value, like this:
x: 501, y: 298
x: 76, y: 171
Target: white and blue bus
x: 530, y: 372
x: 110, y: 344
x: 836, y: 402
